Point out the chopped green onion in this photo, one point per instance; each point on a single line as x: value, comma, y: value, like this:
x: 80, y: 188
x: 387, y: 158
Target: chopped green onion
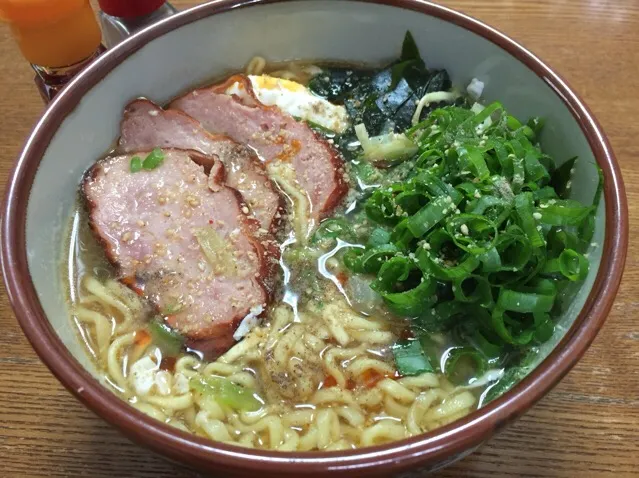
x: 136, y: 164
x: 410, y: 358
x: 572, y: 265
x: 168, y: 340
x: 464, y: 363
x: 472, y: 233
x: 332, y: 229
x: 226, y: 393
x: 476, y: 237
x: 153, y: 160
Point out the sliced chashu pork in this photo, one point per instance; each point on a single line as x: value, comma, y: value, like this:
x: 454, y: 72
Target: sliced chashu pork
x: 184, y: 239
x: 146, y: 126
x: 304, y: 164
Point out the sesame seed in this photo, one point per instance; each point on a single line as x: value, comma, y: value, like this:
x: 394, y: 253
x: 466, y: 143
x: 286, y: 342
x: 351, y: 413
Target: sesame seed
x: 193, y: 201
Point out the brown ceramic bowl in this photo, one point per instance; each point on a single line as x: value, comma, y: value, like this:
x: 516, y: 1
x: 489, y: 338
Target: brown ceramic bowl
x: 206, y: 41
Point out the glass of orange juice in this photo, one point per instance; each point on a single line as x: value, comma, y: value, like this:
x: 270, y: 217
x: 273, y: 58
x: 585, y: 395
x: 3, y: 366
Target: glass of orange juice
x: 58, y: 38
x: 53, y: 33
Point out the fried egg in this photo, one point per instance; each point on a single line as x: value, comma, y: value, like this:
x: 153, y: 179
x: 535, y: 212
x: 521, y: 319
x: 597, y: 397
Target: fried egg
x: 296, y: 100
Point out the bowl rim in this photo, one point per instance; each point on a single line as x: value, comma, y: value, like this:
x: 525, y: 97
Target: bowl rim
x: 427, y: 448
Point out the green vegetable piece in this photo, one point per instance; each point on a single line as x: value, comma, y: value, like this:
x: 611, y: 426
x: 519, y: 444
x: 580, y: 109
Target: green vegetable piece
x: 527, y: 222
x: 136, y: 164
x: 394, y: 270
x: 544, y: 327
x: 562, y: 176
x: 373, y: 259
x: 474, y: 158
x: 433, y: 213
x: 168, y: 340
x: 410, y: 358
x: 587, y: 228
x: 573, y: 266
x: 438, y: 269
x: 226, y: 393
x: 472, y: 233
x: 473, y: 288
x: 378, y: 237
x: 333, y: 229
x: 153, y: 160
x: 463, y: 364
x: 524, y: 302
x: 563, y: 212
x: 499, y: 319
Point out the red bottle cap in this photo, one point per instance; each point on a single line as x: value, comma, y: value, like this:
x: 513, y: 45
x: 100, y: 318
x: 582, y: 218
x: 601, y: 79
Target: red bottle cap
x: 130, y: 8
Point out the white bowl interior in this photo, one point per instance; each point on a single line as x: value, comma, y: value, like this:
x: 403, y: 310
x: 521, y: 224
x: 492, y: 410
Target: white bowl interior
x: 329, y: 30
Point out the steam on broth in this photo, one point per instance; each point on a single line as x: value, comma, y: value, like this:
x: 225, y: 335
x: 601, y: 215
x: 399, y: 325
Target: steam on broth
x: 399, y: 307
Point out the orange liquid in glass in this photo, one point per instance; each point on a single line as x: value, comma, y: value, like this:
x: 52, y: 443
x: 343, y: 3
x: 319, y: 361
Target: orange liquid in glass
x: 52, y: 33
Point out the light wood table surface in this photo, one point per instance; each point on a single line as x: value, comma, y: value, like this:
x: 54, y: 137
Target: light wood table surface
x: 587, y: 427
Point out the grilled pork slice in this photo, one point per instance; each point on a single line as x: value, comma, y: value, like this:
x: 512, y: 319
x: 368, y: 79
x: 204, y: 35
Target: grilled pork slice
x: 146, y: 126
x: 294, y: 153
x: 183, y: 240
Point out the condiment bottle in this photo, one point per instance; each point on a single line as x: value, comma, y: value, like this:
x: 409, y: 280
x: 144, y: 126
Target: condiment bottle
x: 122, y: 18
x: 58, y: 38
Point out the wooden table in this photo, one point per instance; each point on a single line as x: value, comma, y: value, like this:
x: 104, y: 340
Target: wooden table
x: 588, y: 426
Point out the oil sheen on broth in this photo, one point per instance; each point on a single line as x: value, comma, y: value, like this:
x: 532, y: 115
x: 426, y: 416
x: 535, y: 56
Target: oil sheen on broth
x: 330, y: 363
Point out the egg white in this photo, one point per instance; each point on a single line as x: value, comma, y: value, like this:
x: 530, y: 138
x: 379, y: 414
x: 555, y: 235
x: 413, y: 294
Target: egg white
x: 296, y: 100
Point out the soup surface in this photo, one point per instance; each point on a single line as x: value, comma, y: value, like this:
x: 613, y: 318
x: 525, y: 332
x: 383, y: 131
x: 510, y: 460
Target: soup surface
x: 400, y: 251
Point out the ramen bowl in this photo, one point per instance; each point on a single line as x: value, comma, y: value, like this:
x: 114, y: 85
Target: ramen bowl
x: 202, y: 43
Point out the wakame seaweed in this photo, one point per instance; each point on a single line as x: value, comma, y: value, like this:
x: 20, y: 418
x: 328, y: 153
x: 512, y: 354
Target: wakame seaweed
x: 383, y: 100
x: 477, y: 237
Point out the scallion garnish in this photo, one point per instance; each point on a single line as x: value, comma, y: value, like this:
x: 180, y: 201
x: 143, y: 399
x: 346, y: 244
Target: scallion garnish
x: 476, y: 241
x: 136, y: 164
x: 153, y: 160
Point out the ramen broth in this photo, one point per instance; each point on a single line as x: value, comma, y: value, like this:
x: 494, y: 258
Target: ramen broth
x: 328, y: 364
x: 323, y: 372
